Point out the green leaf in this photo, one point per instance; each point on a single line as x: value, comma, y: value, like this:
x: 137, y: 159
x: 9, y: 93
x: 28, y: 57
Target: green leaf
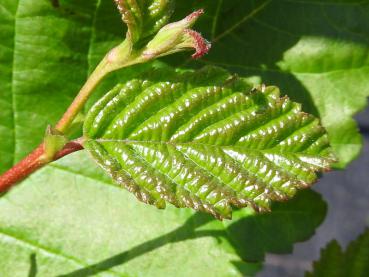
x: 45, y: 53
x: 206, y: 142
x: 139, y: 47
x: 177, y: 37
x: 74, y: 222
x: 316, y: 51
x: 144, y: 17
x: 85, y: 31
x: 334, y: 262
x: 54, y: 141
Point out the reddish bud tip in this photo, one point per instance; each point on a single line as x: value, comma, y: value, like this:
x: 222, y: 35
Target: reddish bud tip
x: 201, y: 45
x: 196, y: 14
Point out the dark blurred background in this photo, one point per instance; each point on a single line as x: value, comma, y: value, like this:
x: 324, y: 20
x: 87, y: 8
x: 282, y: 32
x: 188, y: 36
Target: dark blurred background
x: 347, y: 195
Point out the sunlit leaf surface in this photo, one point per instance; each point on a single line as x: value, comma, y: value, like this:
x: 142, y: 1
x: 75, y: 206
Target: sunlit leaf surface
x: 205, y: 141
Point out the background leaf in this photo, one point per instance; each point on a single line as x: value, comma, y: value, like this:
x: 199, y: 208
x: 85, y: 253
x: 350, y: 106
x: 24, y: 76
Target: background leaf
x: 335, y: 262
x: 44, y: 60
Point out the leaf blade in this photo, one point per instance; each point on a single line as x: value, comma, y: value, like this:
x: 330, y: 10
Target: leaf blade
x: 229, y: 157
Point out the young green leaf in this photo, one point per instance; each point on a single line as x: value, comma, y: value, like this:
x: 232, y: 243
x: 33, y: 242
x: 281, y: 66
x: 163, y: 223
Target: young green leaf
x: 144, y: 17
x: 176, y: 37
x: 205, y: 145
x: 337, y: 263
x: 54, y: 141
x: 150, y: 37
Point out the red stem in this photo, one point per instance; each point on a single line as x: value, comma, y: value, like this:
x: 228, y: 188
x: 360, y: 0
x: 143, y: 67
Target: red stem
x: 31, y: 163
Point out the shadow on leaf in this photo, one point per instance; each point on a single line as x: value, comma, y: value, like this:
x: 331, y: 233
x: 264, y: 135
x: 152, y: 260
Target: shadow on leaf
x: 252, y: 235
x: 33, y: 266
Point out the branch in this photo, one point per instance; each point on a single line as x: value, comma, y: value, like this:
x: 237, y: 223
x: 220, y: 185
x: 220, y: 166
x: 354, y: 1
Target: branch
x: 97, y: 75
x: 33, y: 162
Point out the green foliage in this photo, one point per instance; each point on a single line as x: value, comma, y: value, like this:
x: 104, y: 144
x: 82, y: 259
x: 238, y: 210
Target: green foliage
x: 144, y: 17
x: 74, y: 37
x: 316, y: 51
x: 149, y: 37
x: 54, y: 141
x: 334, y: 262
x: 73, y: 220
x: 69, y: 217
x: 205, y: 140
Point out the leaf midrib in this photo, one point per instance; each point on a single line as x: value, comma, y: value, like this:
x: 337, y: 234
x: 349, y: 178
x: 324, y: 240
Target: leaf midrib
x: 190, y: 143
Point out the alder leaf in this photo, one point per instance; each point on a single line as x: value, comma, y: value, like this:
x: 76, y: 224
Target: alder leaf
x: 205, y: 144
x: 334, y: 262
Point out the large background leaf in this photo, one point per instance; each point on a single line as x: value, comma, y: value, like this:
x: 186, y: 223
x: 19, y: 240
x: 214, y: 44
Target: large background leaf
x: 44, y: 60
x: 336, y: 262
x: 46, y: 53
